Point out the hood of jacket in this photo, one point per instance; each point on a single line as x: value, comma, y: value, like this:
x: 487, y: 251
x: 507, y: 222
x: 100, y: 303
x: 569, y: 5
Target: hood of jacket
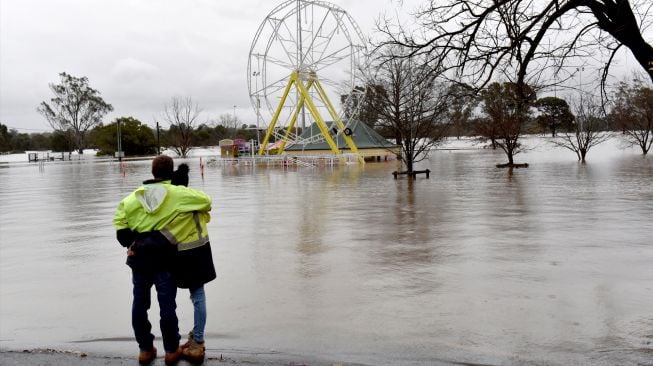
x: 151, y: 196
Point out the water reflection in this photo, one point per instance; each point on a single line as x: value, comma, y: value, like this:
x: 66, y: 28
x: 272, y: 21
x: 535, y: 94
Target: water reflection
x: 547, y: 265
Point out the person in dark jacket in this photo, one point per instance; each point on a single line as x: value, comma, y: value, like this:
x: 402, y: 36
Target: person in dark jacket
x: 193, y: 267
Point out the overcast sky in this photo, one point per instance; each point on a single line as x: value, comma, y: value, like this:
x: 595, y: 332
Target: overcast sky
x: 141, y: 53
x: 138, y: 53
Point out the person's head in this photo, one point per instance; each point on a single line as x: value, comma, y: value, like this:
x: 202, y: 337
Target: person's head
x: 180, y: 176
x: 162, y: 167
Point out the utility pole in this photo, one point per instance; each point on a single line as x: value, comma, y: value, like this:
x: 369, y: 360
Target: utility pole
x: 158, y: 140
x: 119, y: 152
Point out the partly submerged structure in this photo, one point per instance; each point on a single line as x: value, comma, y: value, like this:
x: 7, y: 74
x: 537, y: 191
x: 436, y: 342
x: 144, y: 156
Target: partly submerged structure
x: 370, y: 145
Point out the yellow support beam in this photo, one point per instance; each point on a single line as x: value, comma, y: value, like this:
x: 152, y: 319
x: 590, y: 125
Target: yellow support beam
x: 277, y: 112
x: 305, y: 99
x: 337, y: 121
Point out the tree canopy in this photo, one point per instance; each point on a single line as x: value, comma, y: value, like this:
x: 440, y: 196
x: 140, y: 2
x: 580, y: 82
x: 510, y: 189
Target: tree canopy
x: 76, y: 107
x: 554, y: 114
x: 507, y: 112
x: 136, y: 137
x: 633, y: 113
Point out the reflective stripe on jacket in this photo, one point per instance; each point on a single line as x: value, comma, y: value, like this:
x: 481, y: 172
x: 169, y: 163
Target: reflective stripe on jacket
x: 188, y: 230
x: 154, y: 206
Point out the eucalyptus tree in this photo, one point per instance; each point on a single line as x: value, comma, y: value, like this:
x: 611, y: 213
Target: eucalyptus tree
x: 75, y: 109
x: 554, y: 114
x: 633, y: 113
x: 507, y: 112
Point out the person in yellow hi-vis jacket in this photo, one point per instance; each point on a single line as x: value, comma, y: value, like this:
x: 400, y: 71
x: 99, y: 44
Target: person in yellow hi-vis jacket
x: 141, y: 220
x: 193, y: 265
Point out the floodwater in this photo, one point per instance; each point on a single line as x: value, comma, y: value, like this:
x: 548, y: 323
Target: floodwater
x: 547, y: 265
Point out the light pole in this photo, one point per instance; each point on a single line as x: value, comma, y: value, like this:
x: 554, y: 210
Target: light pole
x: 256, y: 74
x: 119, y: 152
x: 158, y: 140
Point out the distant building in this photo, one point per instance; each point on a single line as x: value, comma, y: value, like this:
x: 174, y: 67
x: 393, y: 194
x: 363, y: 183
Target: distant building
x: 234, y: 148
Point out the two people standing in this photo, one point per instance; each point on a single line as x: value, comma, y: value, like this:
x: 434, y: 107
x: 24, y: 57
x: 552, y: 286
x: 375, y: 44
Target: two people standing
x: 163, y: 225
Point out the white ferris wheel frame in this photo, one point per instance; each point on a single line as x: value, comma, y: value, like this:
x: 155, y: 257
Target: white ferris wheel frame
x: 264, y: 92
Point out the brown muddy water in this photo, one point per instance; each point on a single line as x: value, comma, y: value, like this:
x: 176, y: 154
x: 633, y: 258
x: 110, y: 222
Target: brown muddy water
x: 550, y: 265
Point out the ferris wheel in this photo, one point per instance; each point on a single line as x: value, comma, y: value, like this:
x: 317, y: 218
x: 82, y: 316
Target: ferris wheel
x: 305, y: 56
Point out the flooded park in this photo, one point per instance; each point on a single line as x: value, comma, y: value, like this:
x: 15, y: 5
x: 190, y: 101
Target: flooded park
x: 476, y: 265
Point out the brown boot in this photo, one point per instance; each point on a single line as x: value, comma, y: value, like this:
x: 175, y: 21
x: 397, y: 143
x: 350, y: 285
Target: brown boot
x: 194, y: 352
x: 145, y: 357
x: 173, y: 358
x: 187, y: 344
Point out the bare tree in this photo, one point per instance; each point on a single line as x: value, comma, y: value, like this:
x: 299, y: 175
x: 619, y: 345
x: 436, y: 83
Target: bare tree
x: 231, y: 122
x: 507, y: 113
x: 633, y: 113
x: 478, y: 38
x: 182, y: 115
x: 75, y: 109
x: 586, y: 132
x: 410, y: 104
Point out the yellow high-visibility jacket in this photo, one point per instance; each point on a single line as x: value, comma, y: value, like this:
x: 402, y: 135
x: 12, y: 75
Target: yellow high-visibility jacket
x: 155, y: 206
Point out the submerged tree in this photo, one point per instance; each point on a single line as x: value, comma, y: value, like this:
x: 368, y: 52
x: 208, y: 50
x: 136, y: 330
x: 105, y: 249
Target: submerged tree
x: 554, y: 114
x: 586, y: 132
x: 461, y: 107
x: 507, y: 113
x: 75, y: 108
x: 633, y: 113
x: 412, y: 105
x: 478, y: 38
x: 181, y: 114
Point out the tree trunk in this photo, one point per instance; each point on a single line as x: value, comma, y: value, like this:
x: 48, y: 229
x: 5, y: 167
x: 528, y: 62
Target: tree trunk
x: 409, y: 164
x: 583, y: 152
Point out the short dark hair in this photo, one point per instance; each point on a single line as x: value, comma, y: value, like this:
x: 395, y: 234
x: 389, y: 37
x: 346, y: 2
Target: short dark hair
x: 162, y: 167
x: 180, y: 176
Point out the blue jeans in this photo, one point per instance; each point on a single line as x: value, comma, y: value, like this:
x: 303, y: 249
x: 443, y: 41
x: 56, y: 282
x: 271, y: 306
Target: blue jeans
x: 198, y: 298
x: 166, y: 291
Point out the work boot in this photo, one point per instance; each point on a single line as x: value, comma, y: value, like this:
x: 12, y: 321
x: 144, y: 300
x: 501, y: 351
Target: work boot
x: 145, y: 357
x: 194, y: 352
x: 173, y: 357
x: 190, y: 338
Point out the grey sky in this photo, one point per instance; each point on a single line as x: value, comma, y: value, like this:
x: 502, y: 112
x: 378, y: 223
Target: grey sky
x: 137, y: 53
x: 141, y: 53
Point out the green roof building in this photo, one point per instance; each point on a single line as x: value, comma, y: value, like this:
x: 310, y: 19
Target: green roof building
x: 369, y: 143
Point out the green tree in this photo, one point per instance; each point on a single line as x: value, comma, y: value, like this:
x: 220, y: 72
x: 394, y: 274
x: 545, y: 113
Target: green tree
x: 461, y: 107
x: 136, y: 138
x: 76, y: 107
x: 5, y: 139
x: 554, y: 114
x: 507, y: 112
x: 633, y: 113
x: 362, y: 104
